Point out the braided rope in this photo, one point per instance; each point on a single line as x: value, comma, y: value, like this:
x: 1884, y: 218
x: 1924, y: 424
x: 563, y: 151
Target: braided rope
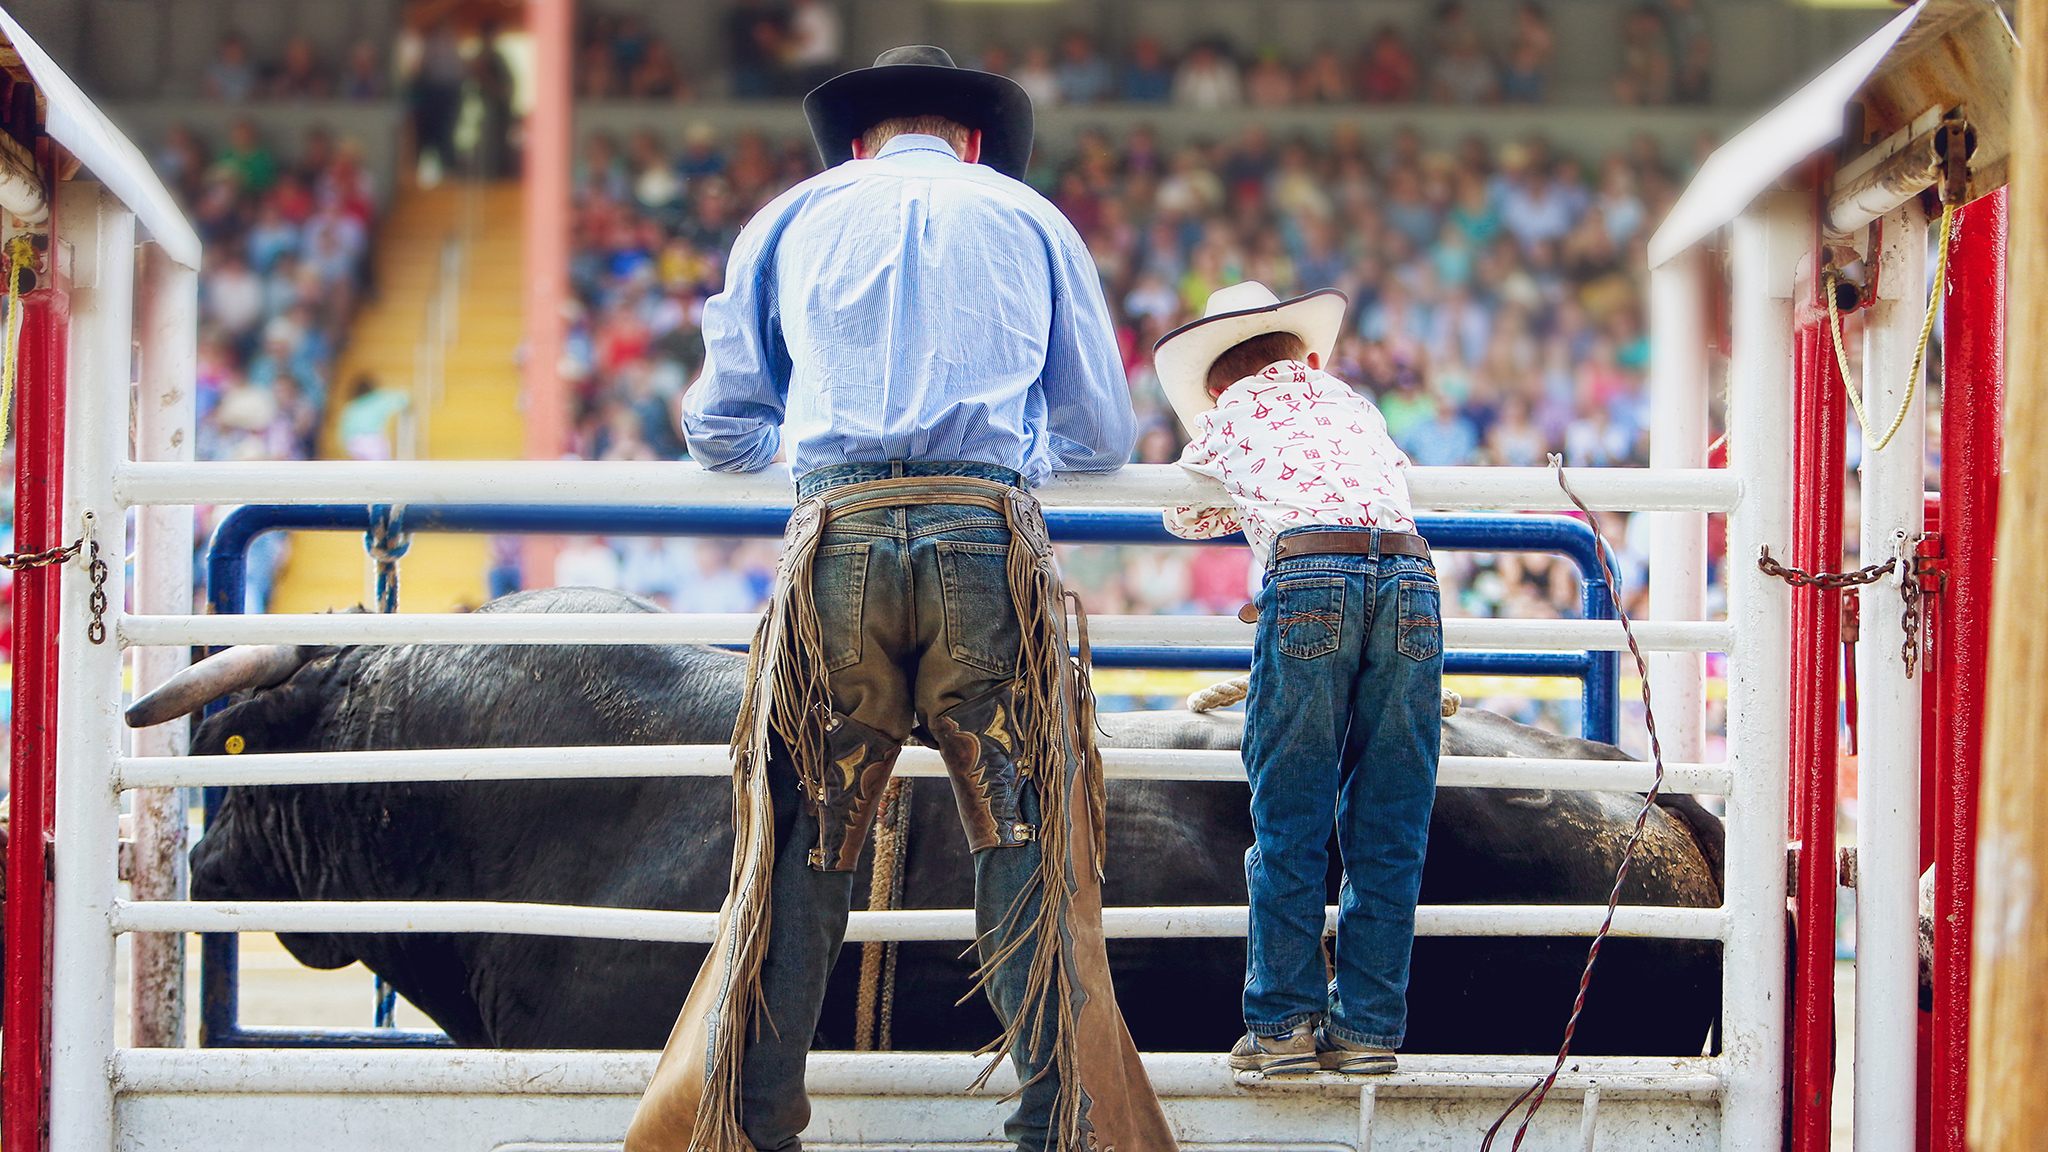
x: 873, y: 1008
x: 1536, y: 1092
x: 21, y: 254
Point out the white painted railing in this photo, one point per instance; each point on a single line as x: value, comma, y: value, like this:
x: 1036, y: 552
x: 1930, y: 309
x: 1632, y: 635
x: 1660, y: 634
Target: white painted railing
x: 615, y: 482
x: 610, y: 762
x: 906, y: 924
x: 1189, y: 632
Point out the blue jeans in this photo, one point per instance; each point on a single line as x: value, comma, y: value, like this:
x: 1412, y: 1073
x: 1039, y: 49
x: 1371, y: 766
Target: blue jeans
x: 918, y: 625
x: 1344, y: 719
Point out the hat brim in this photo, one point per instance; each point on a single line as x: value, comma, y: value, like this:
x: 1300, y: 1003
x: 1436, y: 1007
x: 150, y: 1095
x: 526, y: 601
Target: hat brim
x: 1183, y: 356
x: 843, y: 108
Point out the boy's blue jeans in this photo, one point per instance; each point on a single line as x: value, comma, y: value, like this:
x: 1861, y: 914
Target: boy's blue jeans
x: 1344, y: 723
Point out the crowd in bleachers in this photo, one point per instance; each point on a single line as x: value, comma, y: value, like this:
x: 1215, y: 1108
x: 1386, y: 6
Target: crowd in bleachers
x: 286, y: 237
x: 1496, y: 314
x: 783, y: 50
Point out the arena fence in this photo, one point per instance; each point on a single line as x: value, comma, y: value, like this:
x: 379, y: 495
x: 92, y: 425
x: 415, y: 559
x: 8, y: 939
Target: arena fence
x: 227, y: 563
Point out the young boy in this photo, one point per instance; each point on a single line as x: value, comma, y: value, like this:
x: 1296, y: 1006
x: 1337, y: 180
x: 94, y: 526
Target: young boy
x: 1347, y: 670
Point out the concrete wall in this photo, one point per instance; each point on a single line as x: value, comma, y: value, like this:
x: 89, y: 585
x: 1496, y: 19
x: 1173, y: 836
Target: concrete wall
x: 1585, y: 133
x: 133, y: 49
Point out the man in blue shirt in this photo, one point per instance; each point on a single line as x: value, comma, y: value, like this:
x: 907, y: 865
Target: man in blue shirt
x: 925, y: 338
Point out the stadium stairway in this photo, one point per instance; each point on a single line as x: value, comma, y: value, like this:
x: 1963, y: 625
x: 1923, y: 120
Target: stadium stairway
x: 473, y: 414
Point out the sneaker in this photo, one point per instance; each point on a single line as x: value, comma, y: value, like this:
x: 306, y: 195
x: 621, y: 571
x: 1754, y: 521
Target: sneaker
x: 1277, y: 1055
x: 1335, y: 1055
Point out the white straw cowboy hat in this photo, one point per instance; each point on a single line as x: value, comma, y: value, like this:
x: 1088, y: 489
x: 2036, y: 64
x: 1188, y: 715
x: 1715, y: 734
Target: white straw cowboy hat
x: 1234, y: 315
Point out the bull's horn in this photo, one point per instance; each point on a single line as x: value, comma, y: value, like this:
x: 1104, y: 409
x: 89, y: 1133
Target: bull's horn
x: 221, y: 674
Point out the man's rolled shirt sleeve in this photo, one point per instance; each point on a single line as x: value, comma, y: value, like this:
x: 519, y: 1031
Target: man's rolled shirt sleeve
x: 1090, y: 425
x: 732, y: 417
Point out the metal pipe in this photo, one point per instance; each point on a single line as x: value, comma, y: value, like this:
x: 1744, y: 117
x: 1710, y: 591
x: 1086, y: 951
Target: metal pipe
x: 1973, y: 399
x: 1187, y: 632
x: 1888, y: 771
x: 1816, y: 545
x: 598, y: 763
x: 1767, y: 244
x: 1880, y: 189
x: 164, y: 412
x: 101, y: 232
x: 1678, y: 540
x: 1184, y: 922
x: 613, y: 482
x: 475, y: 1072
x: 38, y: 503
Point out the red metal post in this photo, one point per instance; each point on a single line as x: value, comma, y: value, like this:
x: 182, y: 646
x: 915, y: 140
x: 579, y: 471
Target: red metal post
x: 1972, y: 408
x: 38, y: 495
x: 1816, y: 545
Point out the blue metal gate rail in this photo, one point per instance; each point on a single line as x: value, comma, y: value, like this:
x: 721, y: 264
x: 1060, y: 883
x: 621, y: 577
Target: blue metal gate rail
x: 227, y: 570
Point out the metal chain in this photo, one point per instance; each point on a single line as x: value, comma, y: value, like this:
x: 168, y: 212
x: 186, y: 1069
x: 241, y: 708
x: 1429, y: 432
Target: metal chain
x: 1799, y: 577
x: 1909, y: 620
x: 97, y: 602
x: 17, y: 561
x: 1536, y: 1092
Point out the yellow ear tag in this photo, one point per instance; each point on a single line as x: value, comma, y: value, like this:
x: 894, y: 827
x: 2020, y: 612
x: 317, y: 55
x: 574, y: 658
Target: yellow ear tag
x: 235, y: 745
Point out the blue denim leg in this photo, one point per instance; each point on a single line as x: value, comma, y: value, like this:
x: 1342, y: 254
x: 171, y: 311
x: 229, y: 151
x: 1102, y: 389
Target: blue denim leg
x: 806, y: 925
x: 1341, y: 731
x: 1386, y: 789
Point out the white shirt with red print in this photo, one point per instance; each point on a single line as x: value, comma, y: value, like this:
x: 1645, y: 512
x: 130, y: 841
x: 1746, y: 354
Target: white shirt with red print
x: 1295, y: 447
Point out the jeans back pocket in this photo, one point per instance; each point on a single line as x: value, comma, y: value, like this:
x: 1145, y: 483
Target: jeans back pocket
x: 839, y: 582
x: 1311, y: 611
x: 1421, y: 618
x: 982, y: 630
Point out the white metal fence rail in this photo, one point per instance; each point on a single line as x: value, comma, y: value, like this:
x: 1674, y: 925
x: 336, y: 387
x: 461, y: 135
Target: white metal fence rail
x: 93, y: 770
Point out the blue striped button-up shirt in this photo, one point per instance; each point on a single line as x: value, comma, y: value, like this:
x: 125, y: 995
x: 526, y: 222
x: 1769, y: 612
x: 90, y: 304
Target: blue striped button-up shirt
x: 910, y: 307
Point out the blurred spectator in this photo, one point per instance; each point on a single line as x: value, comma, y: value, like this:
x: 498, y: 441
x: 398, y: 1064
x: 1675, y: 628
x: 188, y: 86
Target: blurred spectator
x: 231, y: 76
x: 436, y: 98
x: 491, y: 79
x: 1445, y: 440
x: 754, y: 43
x: 245, y: 161
x: 1463, y: 73
x: 362, y: 78
x: 1148, y: 79
x: 1523, y: 77
x: 1083, y: 74
x: 1269, y: 84
x: 364, y: 426
x: 1035, y: 75
x: 1645, y: 76
x: 1692, y: 50
x: 657, y: 77
x: 1324, y: 81
x: 816, y: 42
x: 1207, y: 80
x: 1387, y: 71
x: 298, y: 75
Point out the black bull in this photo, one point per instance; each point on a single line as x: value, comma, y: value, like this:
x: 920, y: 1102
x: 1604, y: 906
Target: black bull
x: 664, y: 843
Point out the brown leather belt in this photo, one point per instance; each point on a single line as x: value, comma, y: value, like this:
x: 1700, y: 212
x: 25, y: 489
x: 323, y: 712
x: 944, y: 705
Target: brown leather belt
x: 1317, y: 543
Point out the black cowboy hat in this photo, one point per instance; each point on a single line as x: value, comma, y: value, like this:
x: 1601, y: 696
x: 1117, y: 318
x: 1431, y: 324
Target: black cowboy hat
x: 919, y: 80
